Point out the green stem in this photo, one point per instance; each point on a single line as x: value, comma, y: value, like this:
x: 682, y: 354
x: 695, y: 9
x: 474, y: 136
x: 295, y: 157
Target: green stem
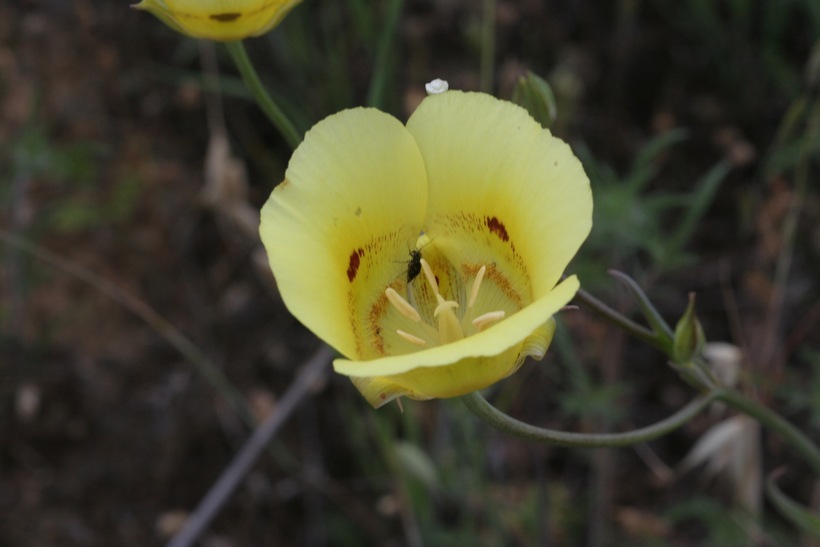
x: 271, y: 109
x: 488, y: 46
x: 796, y: 439
x: 662, y: 330
x: 381, y: 64
x: 479, y: 406
x: 614, y: 317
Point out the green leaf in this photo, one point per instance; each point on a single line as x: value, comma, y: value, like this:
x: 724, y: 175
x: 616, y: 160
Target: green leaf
x: 416, y: 463
x: 535, y: 94
x: 793, y: 511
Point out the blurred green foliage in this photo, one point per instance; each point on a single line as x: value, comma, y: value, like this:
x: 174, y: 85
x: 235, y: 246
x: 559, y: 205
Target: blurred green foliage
x: 69, y: 178
x: 757, y: 36
x: 800, y: 392
x: 712, y: 517
x: 639, y: 229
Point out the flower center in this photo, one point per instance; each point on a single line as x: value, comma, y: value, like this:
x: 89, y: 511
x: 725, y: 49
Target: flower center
x: 449, y: 326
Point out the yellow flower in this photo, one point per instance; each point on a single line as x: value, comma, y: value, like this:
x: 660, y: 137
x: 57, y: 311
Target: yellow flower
x: 429, y: 255
x: 222, y: 20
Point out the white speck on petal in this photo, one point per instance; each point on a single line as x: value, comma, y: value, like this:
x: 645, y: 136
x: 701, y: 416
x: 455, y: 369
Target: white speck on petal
x: 436, y: 86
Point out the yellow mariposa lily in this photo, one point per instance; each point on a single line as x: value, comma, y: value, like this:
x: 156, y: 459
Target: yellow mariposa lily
x: 429, y: 255
x: 221, y: 20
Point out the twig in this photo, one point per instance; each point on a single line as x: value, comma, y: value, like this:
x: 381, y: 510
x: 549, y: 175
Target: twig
x: 248, y: 454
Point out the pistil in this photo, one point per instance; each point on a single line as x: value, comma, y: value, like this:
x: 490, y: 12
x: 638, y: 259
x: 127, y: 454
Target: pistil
x: 449, y: 327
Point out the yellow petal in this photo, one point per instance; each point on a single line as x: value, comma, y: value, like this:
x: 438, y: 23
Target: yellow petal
x: 222, y: 20
x: 464, y: 376
x: 495, y: 173
x: 338, y: 229
x: 464, y: 366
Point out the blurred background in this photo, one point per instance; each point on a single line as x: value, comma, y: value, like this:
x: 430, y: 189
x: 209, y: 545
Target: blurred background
x: 130, y: 192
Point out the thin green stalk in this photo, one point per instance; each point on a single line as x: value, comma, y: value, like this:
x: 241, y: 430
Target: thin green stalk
x: 488, y: 46
x: 772, y: 420
x: 662, y: 330
x: 263, y: 98
x: 479, y: 406
x: 381, y: 64
x: 607, y: 313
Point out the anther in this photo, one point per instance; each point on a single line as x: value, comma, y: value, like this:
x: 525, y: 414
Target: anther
x: 431, y: 277
x: 476, y: 284
x: 402, y: 305
x: 485, y: 320
x: 410, y: 338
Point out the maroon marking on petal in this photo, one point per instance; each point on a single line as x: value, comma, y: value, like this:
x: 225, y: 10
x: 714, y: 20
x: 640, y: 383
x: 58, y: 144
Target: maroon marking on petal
x: 497, y: 227
x: 353, y: 264
x: 225, y: 17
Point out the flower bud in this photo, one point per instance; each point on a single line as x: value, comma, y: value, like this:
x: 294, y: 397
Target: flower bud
x: 219, y: 20
x: 535, y: 94
x: 689, y: 336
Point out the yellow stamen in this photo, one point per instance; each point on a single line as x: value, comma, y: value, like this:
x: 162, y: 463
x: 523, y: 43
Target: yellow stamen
x: 431, y: 277
x: 402, y: 305
x: 476, y: 284
x: 410, y: 338
x: 485, y: 320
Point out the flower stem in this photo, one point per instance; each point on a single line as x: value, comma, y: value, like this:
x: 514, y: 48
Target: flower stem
x: 263, y: 98
x: 616, y: 318
x: 381, y: 64
x: 479, y: 406
x: 796, y: 439
x: 487, y: 76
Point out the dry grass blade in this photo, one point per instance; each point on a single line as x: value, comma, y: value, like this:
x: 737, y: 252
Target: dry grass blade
x: 732, y: 448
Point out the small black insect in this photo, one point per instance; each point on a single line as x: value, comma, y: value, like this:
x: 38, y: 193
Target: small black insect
x: 414, y: 265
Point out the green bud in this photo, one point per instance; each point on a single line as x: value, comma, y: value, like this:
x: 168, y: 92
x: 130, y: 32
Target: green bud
x: 535, y: 94
x: 689, y: 336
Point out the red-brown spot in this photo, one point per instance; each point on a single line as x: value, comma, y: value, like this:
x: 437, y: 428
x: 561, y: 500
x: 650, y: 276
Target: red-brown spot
x: 500, y: 280
x: 497, y: 227
x: 382, y: 396
x: 226, y: 17
x: 354, y: 263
